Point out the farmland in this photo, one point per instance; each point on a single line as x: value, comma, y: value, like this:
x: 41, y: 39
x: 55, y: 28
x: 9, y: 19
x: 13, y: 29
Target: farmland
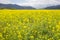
x: 29, y: 24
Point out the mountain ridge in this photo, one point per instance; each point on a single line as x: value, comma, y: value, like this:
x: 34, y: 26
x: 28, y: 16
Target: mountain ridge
x: 14, y: 6
x: 53, y: 7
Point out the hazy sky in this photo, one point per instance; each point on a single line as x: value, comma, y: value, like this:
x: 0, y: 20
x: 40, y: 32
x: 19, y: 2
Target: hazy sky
x: 34, y: 3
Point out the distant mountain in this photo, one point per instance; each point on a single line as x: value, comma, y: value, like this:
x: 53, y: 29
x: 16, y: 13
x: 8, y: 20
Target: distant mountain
x: 14, y: 6
x: 53, y: 7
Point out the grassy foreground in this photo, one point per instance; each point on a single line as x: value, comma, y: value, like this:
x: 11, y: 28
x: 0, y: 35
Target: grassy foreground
x: 29, y: 24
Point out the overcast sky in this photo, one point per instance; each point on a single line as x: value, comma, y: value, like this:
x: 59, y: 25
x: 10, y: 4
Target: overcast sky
x: 34, y: 3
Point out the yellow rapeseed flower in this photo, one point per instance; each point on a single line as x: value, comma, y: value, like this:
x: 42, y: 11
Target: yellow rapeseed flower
x: 19, y: 36
x: 0, y: 34
x: 50, y: 39
x: 24, y: 26
x: 26, y: 20
x: 8, y: 24
x: 59, y: 22
x: 58, y: 27
x: 32, y: 36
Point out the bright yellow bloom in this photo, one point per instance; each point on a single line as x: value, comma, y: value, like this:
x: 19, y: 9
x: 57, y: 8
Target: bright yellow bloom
x: 8, y: 24
x: 24, y: 26
x: 58, y: 27
x: 19, y: 36
x: 0, y: 34
x: 59, y: 23
x: 31, y: 36
x: 50, y: 39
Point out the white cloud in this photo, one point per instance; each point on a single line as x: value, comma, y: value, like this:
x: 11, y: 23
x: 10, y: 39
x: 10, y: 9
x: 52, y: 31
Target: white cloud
x: 41, y: 3
x: 34, y: 3
x: 5, y: 1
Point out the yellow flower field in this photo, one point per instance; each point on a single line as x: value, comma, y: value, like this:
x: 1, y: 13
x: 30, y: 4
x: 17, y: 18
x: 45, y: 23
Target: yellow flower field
x: 29, y: 24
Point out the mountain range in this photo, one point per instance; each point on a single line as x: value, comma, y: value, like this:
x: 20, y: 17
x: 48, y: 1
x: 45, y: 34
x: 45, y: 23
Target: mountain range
x: 53, y: 7
x: 14, y: 6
